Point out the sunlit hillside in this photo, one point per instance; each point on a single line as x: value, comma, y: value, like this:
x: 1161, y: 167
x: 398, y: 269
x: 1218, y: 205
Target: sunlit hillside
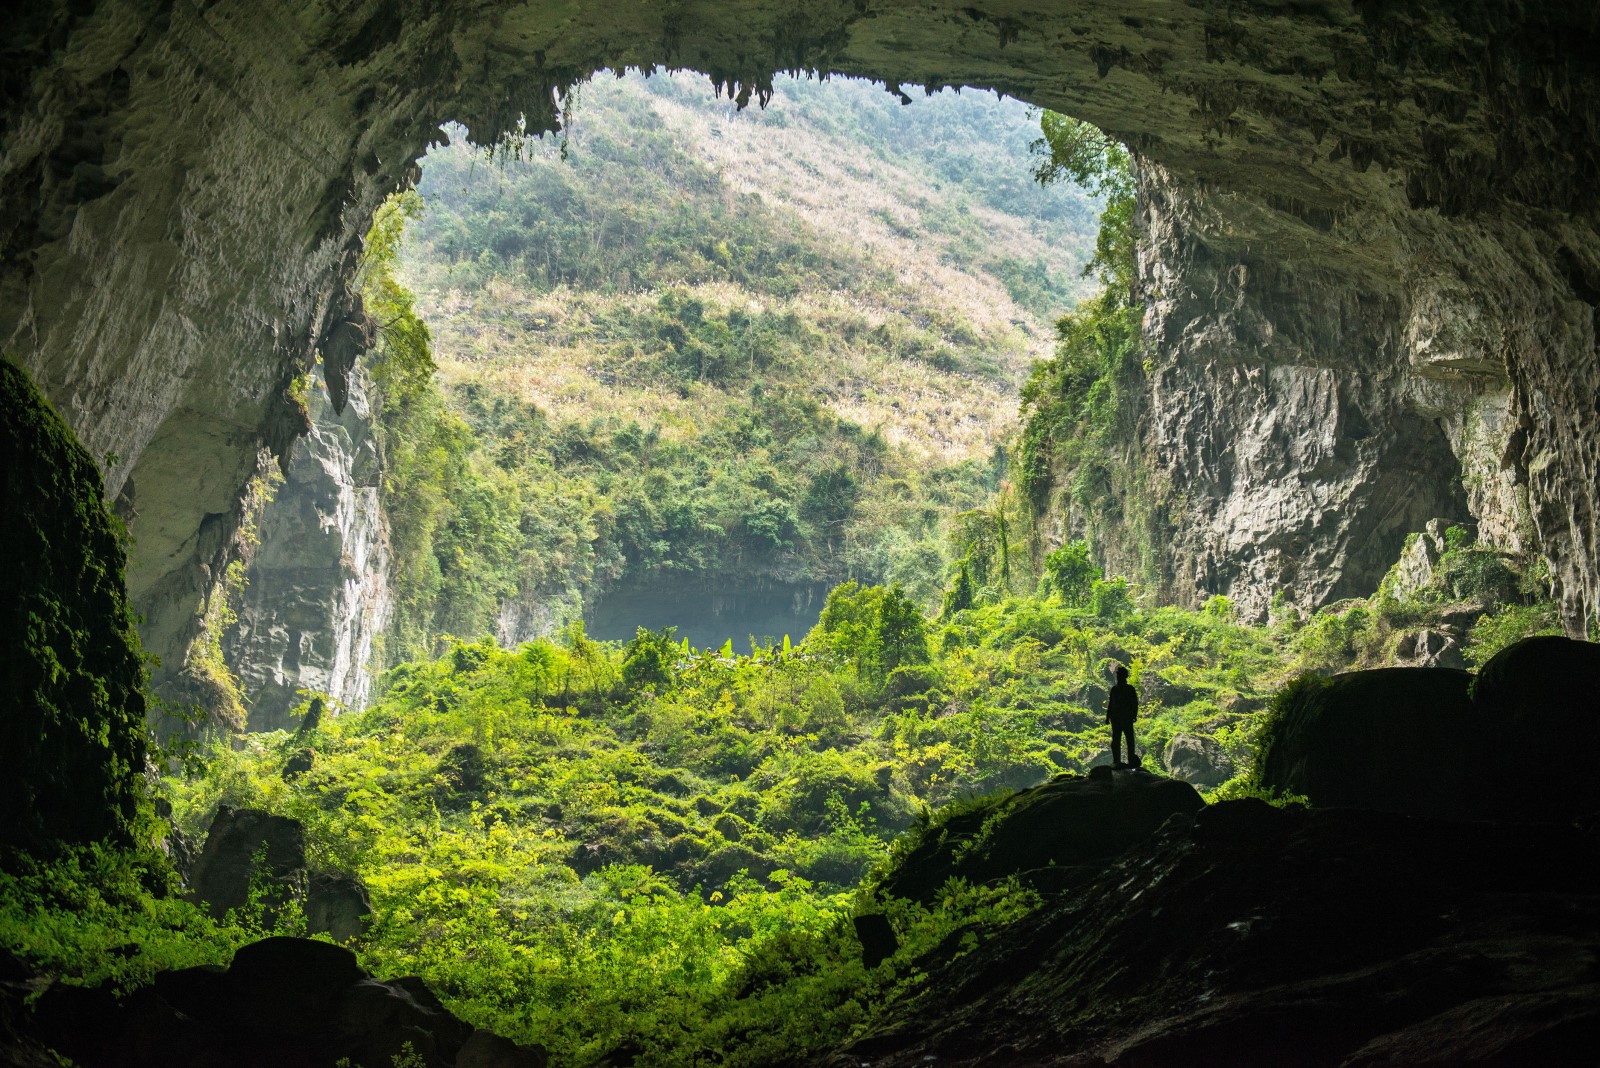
x: 886, y: 275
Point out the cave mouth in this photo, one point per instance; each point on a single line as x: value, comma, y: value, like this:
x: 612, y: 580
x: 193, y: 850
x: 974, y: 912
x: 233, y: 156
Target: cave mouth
x: 1443, y: 182
x: 827, y: 284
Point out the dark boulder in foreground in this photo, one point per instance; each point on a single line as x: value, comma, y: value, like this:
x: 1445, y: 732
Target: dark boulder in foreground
x: 1395, y: 739
x: 1048, y: 831
x: 1436, y: 742
x: 283, y: 1001
x: 1250, y: 935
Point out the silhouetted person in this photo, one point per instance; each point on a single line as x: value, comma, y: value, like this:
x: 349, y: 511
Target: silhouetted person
x: 1122, y: 708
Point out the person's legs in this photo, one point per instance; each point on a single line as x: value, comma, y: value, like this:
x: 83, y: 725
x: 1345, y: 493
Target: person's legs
x: 1117, y: 731
x: 1133, y: 754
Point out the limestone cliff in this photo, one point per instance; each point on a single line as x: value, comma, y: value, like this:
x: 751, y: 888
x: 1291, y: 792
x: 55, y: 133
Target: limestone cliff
x: 317, y: 594
x: 1293, y: 426
x: 183, y: 191
x: 1298, y: 423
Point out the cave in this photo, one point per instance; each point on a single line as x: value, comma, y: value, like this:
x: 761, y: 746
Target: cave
x: 186, y: 190
x: 1371, y: 273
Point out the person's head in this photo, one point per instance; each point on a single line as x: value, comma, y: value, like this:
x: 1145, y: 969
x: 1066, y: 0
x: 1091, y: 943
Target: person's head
x: 1122, y: 673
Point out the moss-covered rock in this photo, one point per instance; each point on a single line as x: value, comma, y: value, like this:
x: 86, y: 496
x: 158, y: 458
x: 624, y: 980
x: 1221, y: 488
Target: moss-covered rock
x: 1542, y: 696
x: 1394, y: 739
x: 1070, y: 821
x: 72, y: 701
x: 1435, y: 742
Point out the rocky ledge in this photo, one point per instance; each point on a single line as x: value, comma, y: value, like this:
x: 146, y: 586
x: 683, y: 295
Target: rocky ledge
x: 1444, y: 908
x: 1253, y: 935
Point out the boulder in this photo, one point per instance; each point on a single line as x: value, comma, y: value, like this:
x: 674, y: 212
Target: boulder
x: 338, y: 906
x: 1200, y: 761
x: 1429, y: 648
x: 1071, y: 820
x: 237, y: 843
x: 242, y: 840
x: 1541, y: 698
x: 877, y: 938
x: 485, y: 1049
x: 1395, y: 739
x: 1434, y: 742
x: 1155, y: 687
x: 1544, y: 683
x: 299, y: 762
x: 281, y: 1001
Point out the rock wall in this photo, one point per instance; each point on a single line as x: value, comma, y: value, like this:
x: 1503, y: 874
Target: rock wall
x: 317, y: 591
x: 72, y: 701
x: 1295, y: 423
x: 1282, y: 444
x: 183, y: 190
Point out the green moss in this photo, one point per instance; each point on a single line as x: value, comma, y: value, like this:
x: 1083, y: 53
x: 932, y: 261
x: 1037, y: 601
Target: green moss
x: 72, y: 701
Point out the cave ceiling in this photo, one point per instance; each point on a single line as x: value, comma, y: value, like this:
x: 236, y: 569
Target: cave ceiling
x: 184, y: 187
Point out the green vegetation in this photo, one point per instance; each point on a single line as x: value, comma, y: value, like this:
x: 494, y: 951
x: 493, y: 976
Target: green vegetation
x: 585, y: 843
x: 72, y: 736
x: 597, y: 844
x: 1488, y: 597
x: 1079, y: 448
x: 769, y: 347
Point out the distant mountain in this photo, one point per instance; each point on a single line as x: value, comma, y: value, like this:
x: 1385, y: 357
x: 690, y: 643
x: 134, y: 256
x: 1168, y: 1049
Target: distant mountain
x: 753, y: 353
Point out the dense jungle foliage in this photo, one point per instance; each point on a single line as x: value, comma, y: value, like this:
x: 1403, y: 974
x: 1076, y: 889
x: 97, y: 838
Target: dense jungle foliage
x: 586, y: 844
x: 592, y: 845
x: 693, y: 344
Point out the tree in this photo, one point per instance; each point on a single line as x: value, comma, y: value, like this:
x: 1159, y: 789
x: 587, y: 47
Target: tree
x: 1072, y: 150
x: 959, y: 597
x: 902, y: 632
x: 1079, y: 406
x: 649, y: 658
x: 1071, y: 573
x: 404, y: 357
x: 877, y: 627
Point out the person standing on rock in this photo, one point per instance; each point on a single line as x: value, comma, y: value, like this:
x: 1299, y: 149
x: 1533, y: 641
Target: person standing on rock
x: 1122, y: 708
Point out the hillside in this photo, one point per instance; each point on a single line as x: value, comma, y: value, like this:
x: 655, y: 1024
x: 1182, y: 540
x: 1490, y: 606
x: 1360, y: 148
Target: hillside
x: 723, y: 360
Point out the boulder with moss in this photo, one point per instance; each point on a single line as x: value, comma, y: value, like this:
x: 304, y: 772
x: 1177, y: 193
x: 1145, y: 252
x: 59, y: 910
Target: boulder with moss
x: 1437, y: 742
x: 1069, y: 822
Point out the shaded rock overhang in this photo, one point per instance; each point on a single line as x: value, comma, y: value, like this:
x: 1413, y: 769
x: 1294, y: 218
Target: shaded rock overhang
x: 184, y: 188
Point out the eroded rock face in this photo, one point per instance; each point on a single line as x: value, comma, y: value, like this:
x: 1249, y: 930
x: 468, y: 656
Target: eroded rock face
x: 183, y: 191
x: 317, y: 592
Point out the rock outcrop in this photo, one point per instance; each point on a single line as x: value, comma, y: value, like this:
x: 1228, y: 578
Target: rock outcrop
x: 317, y: 590
x: 1289, y: 437
x: 1249, y: 935
x: 1048, y: 832
x: 72, y: 700
x: 250, y: 853
x: 1439, y: 743
x: 1197, y: 761
x: 184, y: 191
x: 282, y: 1001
